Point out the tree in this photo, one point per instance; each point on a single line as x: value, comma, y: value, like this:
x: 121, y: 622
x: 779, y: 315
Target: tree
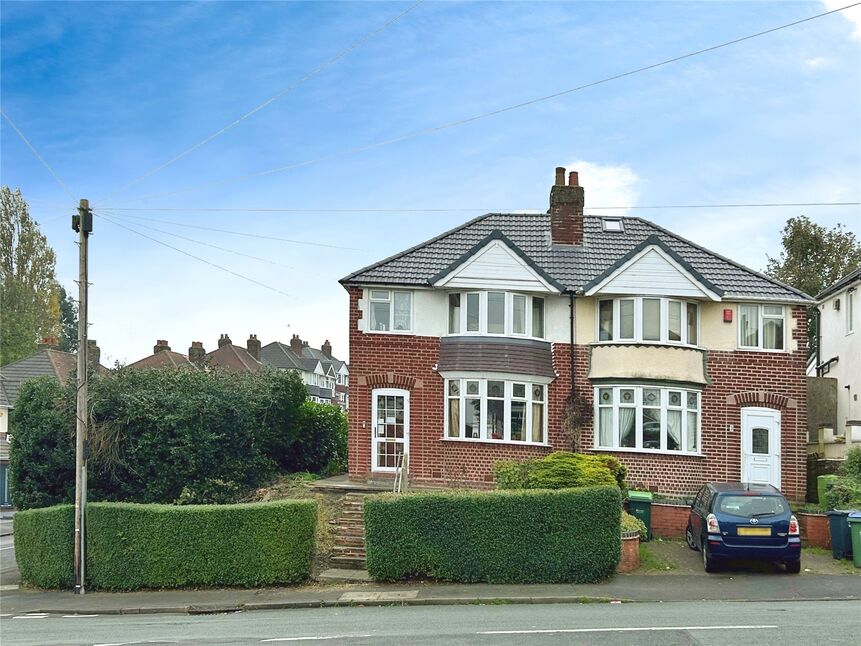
x: 68, y: 321
x: 814, y: 257
x: 28, y: 287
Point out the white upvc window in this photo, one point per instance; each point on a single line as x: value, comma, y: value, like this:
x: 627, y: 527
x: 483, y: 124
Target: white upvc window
x: 850, y: 311
x: 391, y: 311
x: 647, y: 319
x: 496, y: 313
x: 496, y: 410
x: 647, y: 418
x: 761, y: 327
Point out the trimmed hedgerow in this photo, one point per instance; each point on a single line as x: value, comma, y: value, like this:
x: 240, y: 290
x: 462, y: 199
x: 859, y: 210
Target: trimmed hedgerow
x: 559, y: 470
x: 44, y: 546
x: 132, y: 546
x: 570, y: 536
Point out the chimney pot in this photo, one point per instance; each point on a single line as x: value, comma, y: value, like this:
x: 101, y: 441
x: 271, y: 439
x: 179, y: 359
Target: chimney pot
x: 573, y: 178
x: 49, y: 342
x: 560, y: 176
x: 253, y: 346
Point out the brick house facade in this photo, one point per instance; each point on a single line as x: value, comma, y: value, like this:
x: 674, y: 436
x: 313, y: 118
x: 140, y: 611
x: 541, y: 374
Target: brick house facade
x: 448, y: 365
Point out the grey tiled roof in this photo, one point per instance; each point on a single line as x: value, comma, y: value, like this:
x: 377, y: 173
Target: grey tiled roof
x: 54, y: 363
x: 847, y: 280
x: 279, y: 355
x: 572, y: 267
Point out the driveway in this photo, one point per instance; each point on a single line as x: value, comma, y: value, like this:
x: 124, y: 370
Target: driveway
x: 675, y: 557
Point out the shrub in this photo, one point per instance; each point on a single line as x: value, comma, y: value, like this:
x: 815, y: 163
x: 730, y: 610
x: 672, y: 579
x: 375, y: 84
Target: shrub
x: 845, y: 493
x: 633, y: 524
x: 131, y: 546
x: 619, y: 470
x: 320, y: 444
x: 852, y: 466
x: 44, y: 546
x: 559, y: 470
x: 495, y: 537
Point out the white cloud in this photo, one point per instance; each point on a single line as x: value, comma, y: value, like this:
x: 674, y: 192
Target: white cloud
x: 819, y: 62
x: 853, y: 15
x: 607, y: 185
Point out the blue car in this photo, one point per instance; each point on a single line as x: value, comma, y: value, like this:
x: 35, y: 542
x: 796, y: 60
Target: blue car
x: 743, y: 521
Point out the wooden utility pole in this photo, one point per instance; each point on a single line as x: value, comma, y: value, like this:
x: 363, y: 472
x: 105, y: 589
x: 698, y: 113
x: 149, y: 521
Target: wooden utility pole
x: 83, y: 224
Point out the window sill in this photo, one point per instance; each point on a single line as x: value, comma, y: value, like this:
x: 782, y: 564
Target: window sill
x: 400, y: 332
x: 684, y: 454
x: 742, y: 348
x: 495, y: 335
x: 659, y: 344
x: 479, y: 440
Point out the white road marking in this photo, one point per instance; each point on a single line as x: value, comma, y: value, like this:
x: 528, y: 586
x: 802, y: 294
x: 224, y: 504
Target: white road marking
x: 76, y: 616
x: 300, y: 639
x: 618, y: 630
x: 11, y: 586
x: 32, y: 616
x: 11, y: 547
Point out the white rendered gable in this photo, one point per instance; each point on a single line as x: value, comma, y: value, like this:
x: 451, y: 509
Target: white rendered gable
x: 653, y: 273
x: 495, y: 266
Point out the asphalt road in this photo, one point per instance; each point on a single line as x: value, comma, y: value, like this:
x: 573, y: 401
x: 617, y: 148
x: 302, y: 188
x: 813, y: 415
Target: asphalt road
x: 8, y: 568
x: 640, y: 624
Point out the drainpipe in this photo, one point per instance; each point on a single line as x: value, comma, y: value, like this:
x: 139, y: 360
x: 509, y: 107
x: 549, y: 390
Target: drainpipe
x: 818, y: 318
x: 571, y: 340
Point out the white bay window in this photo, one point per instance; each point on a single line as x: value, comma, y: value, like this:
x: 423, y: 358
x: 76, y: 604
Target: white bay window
x: 496, y: 313
x: 647, y: 418
x: 648, y: 320
x: 495, y: 410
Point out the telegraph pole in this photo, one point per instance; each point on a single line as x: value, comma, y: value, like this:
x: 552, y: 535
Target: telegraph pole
x: 83, y: 224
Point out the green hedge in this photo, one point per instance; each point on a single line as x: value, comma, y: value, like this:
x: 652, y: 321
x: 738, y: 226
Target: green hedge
x: 495, y: 537
x: 559, y: 470
x: 132, y: 546
x: 44, y: 546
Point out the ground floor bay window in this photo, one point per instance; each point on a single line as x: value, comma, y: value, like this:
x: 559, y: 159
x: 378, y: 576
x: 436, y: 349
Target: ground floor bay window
x: 647, y: 418
x: 496, y: 410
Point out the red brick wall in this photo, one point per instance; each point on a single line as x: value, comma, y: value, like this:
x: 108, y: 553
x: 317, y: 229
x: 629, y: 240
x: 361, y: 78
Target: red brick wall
x: 630, y: 558
x: 815, y: 530
x: 738, y: 379
x: 669, y: 521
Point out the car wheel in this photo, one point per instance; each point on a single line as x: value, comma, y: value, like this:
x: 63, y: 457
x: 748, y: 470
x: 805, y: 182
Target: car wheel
x: 710, y: 564
x: 793, y: 567
x: 689, y: 537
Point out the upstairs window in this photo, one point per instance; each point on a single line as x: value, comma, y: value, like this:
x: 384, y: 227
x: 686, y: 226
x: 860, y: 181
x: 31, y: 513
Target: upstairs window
x: 391, y: 311
x: 761, y: 327
x: 648, y: 319
x: 496, y: 313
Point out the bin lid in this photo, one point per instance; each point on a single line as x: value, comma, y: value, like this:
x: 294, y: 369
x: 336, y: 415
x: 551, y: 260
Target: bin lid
x: 640, y: 495
x: 855, y: 516
x: 837, y: 512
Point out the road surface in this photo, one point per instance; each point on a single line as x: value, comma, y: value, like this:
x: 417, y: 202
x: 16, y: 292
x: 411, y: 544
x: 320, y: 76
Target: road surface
x: 604, y: 624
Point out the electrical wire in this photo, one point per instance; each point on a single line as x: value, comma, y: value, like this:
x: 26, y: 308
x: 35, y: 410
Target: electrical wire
x: 484, y: 115
x: 107, y: 218
x: 317, y: 70
x: 462, y: 209
x: 38, y: 156
x: 207, y: 244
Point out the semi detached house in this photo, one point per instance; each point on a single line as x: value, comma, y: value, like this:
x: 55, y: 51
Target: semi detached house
x: 474, y: 346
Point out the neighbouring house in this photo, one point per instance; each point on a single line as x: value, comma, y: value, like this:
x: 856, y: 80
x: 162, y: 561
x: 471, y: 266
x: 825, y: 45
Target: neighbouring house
x: 325, y: 376
x: 226, y: 357
x: 517, y: 334
x: 834, y: 368
x: 50, y: 361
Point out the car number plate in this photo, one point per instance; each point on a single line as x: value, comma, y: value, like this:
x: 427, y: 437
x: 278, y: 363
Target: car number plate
x: 754, y: 531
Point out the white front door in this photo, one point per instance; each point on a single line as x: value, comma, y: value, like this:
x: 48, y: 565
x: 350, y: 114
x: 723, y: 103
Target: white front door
x: 760, y: 446
x: 390, y: 435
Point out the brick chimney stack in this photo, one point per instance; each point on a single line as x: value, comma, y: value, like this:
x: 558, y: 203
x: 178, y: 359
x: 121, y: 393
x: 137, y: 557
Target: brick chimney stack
x: 196, y: 353
x: 566, y: 209
x: 224, y: 340
x: 160, y: 346
x: 326, y: 349
x: 296, y: 344
x: 253, y: 346
x: 94, y: 354
x: 49, y: 343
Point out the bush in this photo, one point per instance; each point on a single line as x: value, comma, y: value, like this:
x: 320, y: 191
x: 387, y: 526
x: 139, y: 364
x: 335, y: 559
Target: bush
x: 132, y: 546
x: 559, y: 470
x: 633, y: 524
x: 845, y: 493
x: 852, y: 466
x: 45, y: 547
x: 570, y: 536
x: 321, y: 441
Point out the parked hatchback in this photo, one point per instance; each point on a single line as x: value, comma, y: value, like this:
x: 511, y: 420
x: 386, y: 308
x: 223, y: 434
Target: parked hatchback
x: 743, y: 521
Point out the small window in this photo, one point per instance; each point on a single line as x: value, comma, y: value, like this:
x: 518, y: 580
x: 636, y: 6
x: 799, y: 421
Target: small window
x: 651, y: 319
x: 612, y: 224
x: 496, y: 312
x: 518, y: 323
x: 761, y: 327
x: 674, y: 322
x: 390, y: 311
x: 692, y: 310
x: 626, y: 318
x: 453, y: 313
x: 538, y: 317
x: 473, y: 318
x: 605, y: 321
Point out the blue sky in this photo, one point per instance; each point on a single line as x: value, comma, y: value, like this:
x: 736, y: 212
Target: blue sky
x: 109, y: 91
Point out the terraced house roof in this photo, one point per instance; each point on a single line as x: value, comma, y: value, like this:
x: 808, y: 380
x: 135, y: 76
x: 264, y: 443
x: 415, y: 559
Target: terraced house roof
x: 573, y: 267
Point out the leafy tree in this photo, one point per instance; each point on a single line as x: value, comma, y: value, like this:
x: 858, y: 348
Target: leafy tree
x: 68, y: 321
x: 28, y: 287
x: 814, y: 257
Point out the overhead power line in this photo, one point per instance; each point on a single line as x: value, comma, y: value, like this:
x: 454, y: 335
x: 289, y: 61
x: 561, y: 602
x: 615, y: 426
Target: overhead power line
x: 37, y: 155
x: 462, y: 209
x: 491, y: 113
x: 107, y: 218
x: 207, y: 244
x: 243, y: 233
x: 317, y: 70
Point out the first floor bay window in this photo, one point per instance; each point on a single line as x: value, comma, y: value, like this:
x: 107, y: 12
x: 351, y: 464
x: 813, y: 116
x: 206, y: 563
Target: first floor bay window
x: 647, y: 418
x: 495, y: 409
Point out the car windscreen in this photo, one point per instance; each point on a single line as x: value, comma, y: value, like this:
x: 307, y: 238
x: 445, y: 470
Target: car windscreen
x: 752, y: 506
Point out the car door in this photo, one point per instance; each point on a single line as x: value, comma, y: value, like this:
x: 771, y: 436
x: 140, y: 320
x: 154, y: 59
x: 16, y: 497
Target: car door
x: 696, y: 516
